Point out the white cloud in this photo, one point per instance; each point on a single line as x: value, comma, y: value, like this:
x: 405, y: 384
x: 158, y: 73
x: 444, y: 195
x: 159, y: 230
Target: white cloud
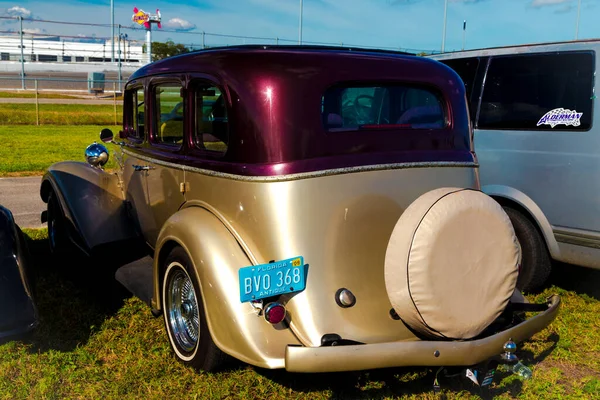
x: 543, y: 3
x: 565, y: 9
x: 33, y: 31
x: 179, y: 24
x: 17, y: 11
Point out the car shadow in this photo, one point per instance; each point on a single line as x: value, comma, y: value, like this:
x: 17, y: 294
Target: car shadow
x: 394, y: 382
x: 391, y: 382
x: 74, y: 295
x: 578, y: 279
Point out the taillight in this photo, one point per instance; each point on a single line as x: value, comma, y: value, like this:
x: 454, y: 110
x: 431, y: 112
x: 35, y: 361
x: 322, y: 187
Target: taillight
x: 274, y: 313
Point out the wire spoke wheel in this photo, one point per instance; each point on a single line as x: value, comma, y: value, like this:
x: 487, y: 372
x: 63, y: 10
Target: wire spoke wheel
x: 182, y: 309
x: 184, y: 314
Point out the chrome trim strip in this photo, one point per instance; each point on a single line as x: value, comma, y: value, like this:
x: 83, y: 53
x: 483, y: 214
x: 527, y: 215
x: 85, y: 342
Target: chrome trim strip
x: 304, y: 175
x: 577, y: 237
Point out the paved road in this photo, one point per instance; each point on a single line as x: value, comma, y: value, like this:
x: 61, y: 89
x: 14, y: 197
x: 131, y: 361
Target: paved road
x: 21, y: 196
x: 15, y: 100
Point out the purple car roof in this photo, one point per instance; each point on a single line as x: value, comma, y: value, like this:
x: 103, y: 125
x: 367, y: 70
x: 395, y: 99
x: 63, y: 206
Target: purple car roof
x: 274, y: 108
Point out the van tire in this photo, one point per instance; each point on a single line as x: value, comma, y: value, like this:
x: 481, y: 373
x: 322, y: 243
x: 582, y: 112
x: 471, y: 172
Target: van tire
x: 536, y: 264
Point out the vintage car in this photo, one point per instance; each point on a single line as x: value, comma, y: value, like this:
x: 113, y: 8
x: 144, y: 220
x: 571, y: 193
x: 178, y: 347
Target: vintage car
x: 18, y: 311
x: 325, y: 216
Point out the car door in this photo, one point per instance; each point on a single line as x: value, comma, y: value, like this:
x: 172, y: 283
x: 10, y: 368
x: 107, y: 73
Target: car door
x: 134, y: 164
x: 152, y: 173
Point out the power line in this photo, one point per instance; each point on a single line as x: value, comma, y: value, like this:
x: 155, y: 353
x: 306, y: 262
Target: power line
x: 211, y: 34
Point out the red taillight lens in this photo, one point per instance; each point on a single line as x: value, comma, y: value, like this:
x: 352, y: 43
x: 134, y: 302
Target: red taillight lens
x: 274, y: 313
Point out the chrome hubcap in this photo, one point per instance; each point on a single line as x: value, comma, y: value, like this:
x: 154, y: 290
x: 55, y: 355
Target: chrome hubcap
x: 182, y: 307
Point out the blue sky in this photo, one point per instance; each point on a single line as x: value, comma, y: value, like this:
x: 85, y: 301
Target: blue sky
x: 406, y: 24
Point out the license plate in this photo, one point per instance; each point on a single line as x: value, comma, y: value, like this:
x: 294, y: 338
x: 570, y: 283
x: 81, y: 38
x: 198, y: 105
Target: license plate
x: 272, y: 279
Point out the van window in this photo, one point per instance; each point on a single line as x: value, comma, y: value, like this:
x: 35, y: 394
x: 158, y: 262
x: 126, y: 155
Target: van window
x: 170, y: 111
x: 538, y: 92
x: 389, y: 106
x: 466, y: 68
x: 212, y: 124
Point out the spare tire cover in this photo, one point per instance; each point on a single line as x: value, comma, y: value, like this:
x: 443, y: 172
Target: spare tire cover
x: 451, y: 263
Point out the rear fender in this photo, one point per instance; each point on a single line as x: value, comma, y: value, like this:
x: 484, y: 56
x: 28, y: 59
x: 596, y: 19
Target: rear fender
x: 217, y: 256
x: 92, y: 202
x: 520, y: 198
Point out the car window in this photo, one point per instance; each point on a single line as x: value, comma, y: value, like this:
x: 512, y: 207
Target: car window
x: 170, y: 110
x: 135, y: 113
x: 538, y: 92
x: 388, y: 106
x: 212, y: 124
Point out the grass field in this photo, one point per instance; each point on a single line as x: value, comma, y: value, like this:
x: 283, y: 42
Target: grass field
x: 29, y: 150
x: 60, y: 114
x: 93, y: 346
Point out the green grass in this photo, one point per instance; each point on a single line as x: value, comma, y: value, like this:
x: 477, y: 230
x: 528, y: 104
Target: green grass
x: 60, y: 114
x: 93, y: 346
x: 28, y: 150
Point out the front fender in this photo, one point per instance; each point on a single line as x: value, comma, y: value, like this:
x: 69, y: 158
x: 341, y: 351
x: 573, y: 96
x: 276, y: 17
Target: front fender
x: 18, y: 312
x: 92, y: 202
x: 235, y: 327
x: 534, y: 210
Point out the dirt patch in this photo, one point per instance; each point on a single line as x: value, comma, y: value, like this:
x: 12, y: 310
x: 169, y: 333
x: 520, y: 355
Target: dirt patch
x: 571, y: 373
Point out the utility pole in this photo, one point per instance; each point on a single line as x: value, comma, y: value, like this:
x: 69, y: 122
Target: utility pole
x: 119, y: 51
x: 577, y: 23
x: 112, y: 31
x: 22, y: 55
x: 444, y: 33
x: 300, y: 27
x: 464, y: 32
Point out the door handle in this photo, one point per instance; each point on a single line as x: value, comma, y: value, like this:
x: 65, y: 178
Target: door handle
x: 141, y: 167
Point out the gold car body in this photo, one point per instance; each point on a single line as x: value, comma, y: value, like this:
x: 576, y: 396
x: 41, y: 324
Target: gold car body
x: 339, y: 219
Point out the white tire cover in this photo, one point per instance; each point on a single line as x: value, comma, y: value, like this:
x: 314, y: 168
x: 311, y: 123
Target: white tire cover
x: 451, y: 264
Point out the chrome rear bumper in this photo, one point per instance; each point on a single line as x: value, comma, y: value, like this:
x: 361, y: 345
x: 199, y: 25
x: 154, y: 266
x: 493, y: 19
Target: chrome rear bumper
x: 414, y: 353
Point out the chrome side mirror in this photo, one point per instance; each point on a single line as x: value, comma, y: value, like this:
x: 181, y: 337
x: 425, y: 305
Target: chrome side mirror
x: 96, y: 155
x: 106, y: 135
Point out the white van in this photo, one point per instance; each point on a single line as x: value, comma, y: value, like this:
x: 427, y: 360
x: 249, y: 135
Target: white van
x: 537, y: 139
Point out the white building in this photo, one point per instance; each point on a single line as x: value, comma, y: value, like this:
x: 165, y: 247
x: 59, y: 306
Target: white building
x: 58, y: 50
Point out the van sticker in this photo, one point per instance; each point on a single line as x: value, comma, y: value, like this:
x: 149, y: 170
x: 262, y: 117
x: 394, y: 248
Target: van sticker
x: 561, y: 116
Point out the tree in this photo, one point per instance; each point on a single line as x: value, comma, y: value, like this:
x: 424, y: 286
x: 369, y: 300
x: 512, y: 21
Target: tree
x: 162, y: 50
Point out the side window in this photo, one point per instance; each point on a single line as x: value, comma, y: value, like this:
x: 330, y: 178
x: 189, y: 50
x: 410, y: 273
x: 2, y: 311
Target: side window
x: 212, y: 124
x: 539, y: 92
x: 466, y: 68
x: 135, y: 109
x: 169, y: 114
x: 389, y: 106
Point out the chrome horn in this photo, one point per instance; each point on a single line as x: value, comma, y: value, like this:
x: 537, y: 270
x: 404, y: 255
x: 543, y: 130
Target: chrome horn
x: 96, y: 155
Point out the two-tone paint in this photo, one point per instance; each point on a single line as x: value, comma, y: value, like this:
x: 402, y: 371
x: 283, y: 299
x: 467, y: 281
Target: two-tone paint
x: 287, y: 187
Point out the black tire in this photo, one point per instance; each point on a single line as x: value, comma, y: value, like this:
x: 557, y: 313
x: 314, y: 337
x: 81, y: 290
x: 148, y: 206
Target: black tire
x: 58, y: 238
x: 535, y: 263
x: 200, y: 352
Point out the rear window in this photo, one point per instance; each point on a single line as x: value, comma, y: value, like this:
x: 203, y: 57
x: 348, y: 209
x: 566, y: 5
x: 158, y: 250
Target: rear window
x: 539, y: 92
x: 388, y: 106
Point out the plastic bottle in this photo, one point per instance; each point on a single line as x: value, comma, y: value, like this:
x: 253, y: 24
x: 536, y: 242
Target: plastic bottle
x: 521, y: 370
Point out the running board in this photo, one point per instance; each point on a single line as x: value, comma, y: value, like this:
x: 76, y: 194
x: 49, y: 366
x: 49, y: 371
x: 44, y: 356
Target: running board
x: 137, y: 278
